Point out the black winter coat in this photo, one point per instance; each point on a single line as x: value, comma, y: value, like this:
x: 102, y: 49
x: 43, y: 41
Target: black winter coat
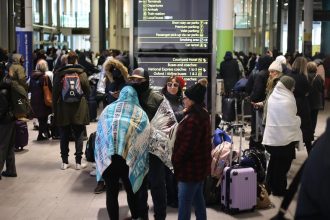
x: 303, y: 109
x: 229, y: 72
x: 313, y: 200
x: 37, y: 95
x: 258, y: 93
x: 316, y: 94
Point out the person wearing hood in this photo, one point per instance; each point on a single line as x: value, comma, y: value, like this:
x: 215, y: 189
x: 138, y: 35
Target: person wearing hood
x: 229, y: 72
x: 282, y: 134
x: 150, y: 100
x: 40, y: 109
x: 191, y: 156
x: 121, y: 150
x: 17, y: 72
x: 69, y: 113
x: 258, y: 83
x: 90, y: 68
x: 116, y: 75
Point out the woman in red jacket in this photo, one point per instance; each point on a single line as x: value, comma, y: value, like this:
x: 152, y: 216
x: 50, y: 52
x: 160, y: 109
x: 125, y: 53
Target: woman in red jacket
x: 192, y: 152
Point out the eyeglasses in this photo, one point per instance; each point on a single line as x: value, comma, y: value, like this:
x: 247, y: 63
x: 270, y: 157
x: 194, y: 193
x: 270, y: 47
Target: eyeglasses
x: 175, y: 85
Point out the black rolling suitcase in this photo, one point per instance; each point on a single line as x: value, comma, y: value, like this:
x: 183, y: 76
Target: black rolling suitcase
x: 22, y: 135
x: 92, y: 103
x: 92, y: 106
x: 228, y: 109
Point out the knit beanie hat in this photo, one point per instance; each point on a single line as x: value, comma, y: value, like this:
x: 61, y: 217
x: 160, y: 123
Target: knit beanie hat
x: 281, y: 59
x: 277, y: 66
x: 197, y: 91
x: 288, y: 82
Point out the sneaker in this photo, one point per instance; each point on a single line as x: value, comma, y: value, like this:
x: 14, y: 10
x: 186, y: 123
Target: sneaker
x: 99, y: 188
x: 93, y: 173
x: 64, y: 166
x: 80, y: 166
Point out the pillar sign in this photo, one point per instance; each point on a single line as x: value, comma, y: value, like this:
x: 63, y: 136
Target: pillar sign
x: 19, y: 9
x: 24, y: 32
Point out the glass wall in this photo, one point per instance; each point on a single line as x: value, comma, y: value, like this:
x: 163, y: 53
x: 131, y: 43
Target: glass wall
x: 242, y: 9
x: 54, y: 12
x: 35, y: 11
x: 74, y: 13
x: 45, y: 12
x: 126, y: 15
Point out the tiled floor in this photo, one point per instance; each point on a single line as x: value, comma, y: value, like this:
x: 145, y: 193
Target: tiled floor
x: 43, y: 191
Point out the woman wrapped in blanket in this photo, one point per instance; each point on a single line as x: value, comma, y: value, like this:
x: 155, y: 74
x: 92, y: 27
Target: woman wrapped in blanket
x: 121, y: 149
x: 282, y: 134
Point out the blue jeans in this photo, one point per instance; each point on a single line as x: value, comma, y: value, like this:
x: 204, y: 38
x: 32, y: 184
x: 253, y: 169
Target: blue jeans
x: 191, y: 193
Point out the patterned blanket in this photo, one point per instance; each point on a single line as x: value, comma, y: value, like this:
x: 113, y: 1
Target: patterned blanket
x: 123, y: 129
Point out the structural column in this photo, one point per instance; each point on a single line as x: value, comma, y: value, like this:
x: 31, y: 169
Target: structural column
x: 112, y: 23
x: 225, y: 28
x: 292, y: 26
x: 102, y: 24
x: 24, y: 36
x: 308, y: 27
x: 325, y: 32
x: 94, y: 26
x: 279, y: 25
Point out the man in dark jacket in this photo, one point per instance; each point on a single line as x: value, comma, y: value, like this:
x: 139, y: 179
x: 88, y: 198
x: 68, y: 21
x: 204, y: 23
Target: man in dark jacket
x: 71, y: 114
x: 313, y: 200
x: 229, y: 71
x: 150, y: 101
x: 258, y: 83
x: 7, y: 134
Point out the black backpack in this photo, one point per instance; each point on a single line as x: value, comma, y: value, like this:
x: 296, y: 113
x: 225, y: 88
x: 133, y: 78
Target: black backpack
x: 90, y: 146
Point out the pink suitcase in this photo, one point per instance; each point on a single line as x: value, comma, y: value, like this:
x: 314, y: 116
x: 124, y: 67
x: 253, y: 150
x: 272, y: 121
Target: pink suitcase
x: 239, y: 189
x: 239, y: 184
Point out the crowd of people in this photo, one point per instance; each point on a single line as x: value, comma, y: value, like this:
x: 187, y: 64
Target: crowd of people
x: 157, y: 140
x: 72, y: 85
x: 287, y: 92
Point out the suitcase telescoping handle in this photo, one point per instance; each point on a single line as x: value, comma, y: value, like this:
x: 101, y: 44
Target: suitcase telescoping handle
x: 240, y: 127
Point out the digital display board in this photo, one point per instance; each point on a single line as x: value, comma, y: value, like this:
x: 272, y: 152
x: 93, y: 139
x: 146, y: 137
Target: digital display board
x: 190, y: 67
x: 172, y: 25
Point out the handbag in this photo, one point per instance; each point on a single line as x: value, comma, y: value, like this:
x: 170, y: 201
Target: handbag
x: 263, y: 201
x: 47, y: 93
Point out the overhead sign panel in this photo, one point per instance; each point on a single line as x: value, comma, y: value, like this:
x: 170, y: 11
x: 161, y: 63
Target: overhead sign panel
x: 171, y: 25
x: 191, y: 67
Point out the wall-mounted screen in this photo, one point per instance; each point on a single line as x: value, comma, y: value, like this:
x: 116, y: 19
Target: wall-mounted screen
x: 172, y: 25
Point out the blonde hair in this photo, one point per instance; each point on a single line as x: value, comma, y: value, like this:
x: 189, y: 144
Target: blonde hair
x: 271, y: 82
x: 300, y: 65
x: 311, y: 67
x: 42, y: 66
